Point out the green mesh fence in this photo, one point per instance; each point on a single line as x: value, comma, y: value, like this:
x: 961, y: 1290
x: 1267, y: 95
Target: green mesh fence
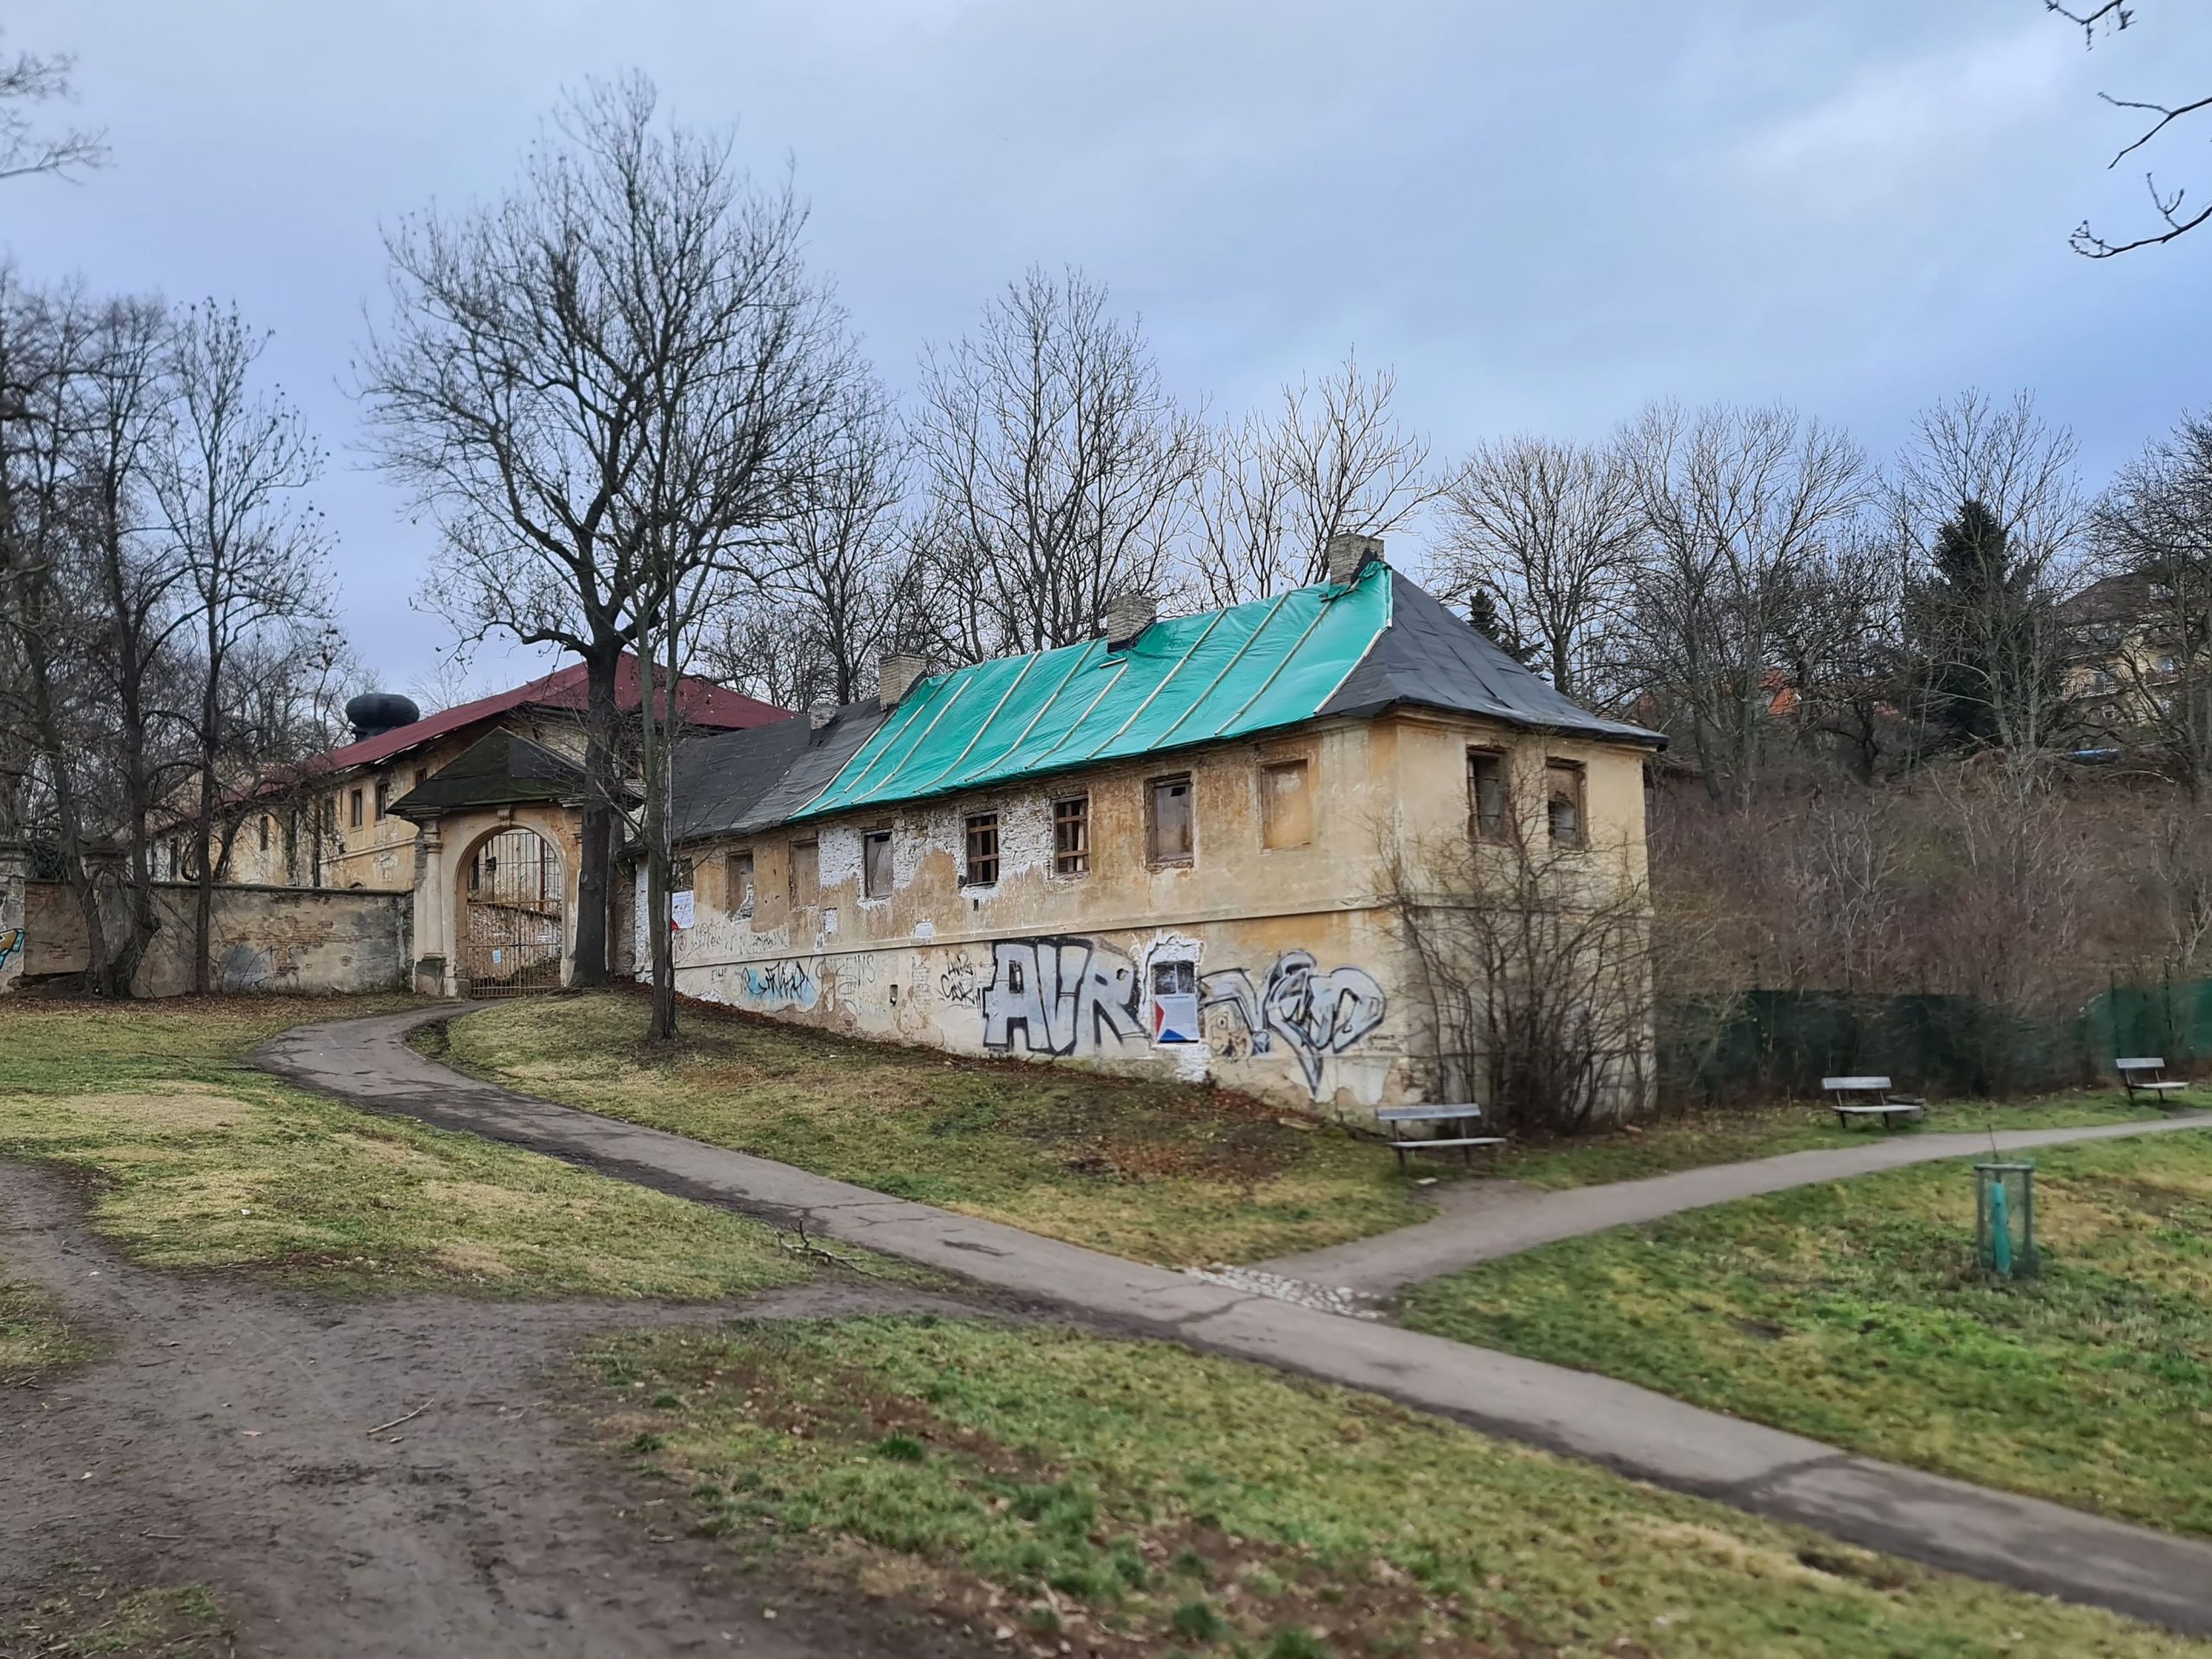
x: 1725, y: 1049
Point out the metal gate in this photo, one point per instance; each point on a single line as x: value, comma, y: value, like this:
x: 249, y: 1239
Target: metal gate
x: 513, y: 942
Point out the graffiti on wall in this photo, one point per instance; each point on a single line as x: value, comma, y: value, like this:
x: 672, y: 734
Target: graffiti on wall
x: 790, y: 984
x: 12, y: 941
x: 1064, y: 995
x: 957, y: 982
x: 1317, y: 1014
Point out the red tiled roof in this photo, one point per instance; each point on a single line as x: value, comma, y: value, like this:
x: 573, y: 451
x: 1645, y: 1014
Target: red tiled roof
x: 702, y: 704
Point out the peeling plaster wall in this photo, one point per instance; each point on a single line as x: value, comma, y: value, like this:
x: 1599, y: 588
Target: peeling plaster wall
x: 1295, y: 959
x: 295, y: 940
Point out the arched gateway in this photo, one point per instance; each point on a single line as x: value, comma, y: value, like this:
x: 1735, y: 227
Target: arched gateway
x: 511, y: 920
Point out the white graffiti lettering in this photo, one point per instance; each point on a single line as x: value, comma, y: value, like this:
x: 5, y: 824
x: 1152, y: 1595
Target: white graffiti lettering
x: 1063, y: 995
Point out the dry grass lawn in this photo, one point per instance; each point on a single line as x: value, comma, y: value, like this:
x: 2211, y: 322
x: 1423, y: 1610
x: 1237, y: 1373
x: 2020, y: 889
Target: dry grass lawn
x: 1156, y: 1171
x: 1042, y: 1487
x: 194, y: 1160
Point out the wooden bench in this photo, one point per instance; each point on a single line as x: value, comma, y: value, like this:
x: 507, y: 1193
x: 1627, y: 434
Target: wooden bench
x: 1849, y: 1097
x: 1451, y: 1116
x: 2146, y: 1075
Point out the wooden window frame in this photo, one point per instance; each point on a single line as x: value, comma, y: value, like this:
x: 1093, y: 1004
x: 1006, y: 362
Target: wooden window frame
x: 1304, y: 766
x: 1481, y: 755
x: 979, y: 870
x: 383, y: 798
x: 353, y: 805
x: 1154, y: 857
x: 1071, y: 837
x: 871, y: 839
x: 741, y: 890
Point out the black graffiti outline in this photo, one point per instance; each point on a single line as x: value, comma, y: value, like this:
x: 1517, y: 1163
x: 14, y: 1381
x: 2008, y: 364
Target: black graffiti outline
x: 1051, y: 1005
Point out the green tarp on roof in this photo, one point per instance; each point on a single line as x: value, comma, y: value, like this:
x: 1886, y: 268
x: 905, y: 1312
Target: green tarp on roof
x: 1314, y: 652
x: 1186, y: 680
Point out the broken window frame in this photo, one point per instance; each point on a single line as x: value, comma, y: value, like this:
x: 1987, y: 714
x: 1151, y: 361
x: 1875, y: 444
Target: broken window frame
x: 1566, y: 784
x: 875, y: 884
x: 979, y: 845
x: 1071, y: 836
x: 1156, y: 854
x: 1491, y: 824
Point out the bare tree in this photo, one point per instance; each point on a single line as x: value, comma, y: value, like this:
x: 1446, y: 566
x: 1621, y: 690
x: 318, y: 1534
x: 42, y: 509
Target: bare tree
x: 28, y: 80
x: 1056, y: 466
x: 1331, y: 457
x: 1740, y: 506
x: 846, y: 590
x: 1531, y: 964
x: 1554, y: 531
x: 618, y: 374
x: 2170, y: 206
x: 228, y: 479
x: 1989, y: 507
x: 2154, y: 531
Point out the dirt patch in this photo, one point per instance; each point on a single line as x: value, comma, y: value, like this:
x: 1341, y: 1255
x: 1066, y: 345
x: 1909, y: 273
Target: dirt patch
x: 226, y: 1443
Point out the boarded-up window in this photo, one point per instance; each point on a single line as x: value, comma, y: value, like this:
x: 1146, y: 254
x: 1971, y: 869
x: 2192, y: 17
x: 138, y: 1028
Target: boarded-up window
x: 1563, y: 803
x: 740, y: 883
x: 875, y: 864
x: 1169, y: 830
x: 264, y: 832
x: 806, y: 872
x: 1071, y: 837
x: 1486, y: 796
x: 982, y: 867
x: 1286, y: 805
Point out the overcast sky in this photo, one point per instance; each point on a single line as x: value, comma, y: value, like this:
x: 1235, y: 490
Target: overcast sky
x: 1543, y: 215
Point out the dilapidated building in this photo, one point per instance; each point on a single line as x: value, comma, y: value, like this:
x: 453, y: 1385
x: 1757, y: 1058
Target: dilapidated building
x: 1182, y: 846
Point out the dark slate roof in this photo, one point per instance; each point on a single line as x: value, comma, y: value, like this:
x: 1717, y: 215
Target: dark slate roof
x: 735, y: 782
x: 1429, y: 656
x: 499, y: 769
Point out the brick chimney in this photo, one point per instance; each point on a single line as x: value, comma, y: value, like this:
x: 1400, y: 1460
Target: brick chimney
x: 819, y: 714
x: 1127, y: 616
x: 1348, y: 552
x: 895, y: 673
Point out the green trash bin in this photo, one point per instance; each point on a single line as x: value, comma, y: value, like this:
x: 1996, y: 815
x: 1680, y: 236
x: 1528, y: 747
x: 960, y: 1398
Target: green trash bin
x: 2005, y: 1219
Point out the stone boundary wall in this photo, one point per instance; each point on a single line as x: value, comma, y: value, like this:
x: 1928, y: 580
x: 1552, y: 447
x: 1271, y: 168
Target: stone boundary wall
x: 304, y: 941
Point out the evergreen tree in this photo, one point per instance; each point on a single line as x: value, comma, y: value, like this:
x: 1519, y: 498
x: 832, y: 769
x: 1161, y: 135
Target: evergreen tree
x: 1485, y: 617
x: 1985, y: 629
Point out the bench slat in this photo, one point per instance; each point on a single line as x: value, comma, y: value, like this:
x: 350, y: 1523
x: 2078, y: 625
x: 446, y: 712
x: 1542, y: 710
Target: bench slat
x: 1854, y: 1083
x: 1465, y: 1140
x: 2138, y: 1063
x: 1425, y: 1113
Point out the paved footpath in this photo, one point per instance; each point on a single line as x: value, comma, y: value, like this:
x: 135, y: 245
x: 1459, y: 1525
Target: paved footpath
x: 1483, y: 1220
x: 1993, y: 1535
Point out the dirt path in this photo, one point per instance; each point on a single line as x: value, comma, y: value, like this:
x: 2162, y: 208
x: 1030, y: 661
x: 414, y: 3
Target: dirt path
x: 223, y: 1442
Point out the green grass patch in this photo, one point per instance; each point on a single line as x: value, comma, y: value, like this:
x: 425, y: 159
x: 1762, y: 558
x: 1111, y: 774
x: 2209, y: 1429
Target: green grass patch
x: 194, y: 1160
x: 1154, y: 1170
x: 1696, y: 1140
x: 1853, y: 1312
x: 36, y: 1341
x: 1133, y: 1498
x: 91, y: 1616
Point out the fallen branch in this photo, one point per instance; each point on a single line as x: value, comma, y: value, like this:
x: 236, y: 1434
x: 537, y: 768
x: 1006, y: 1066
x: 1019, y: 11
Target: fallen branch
x: 808, y: 1247
x: 409, y: 1418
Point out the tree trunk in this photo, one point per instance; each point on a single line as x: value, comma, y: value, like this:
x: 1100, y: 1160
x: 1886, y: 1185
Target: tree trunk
x: 596, y: 856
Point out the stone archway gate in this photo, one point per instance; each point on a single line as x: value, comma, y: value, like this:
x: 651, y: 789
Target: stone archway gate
x: 513, y: 929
